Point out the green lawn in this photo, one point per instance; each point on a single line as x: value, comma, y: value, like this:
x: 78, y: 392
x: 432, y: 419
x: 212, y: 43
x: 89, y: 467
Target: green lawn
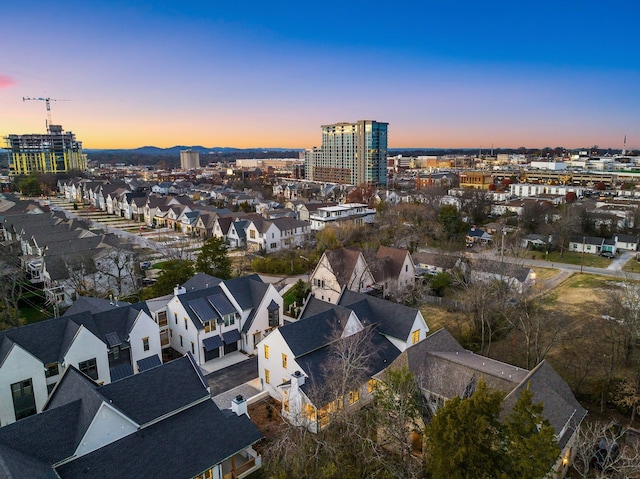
x: 631, y: 266
x: 32, y: 314
x: 570, y: 257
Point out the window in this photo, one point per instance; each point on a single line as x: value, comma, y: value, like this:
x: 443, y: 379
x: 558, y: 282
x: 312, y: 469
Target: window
x: 406, y: 268
x: 162, y: 318
x: 175, y: 315
x: 230, y: 319
x: 52, y: 370
x: 284, y: 360
x: 266, y: 376
x: 209, y: 326
x: 274, y: 318
x: 90, y: 368
x: 186, y: 324
x: 415, y: 336
x: 181, y: 345
x: 145, y: 344
x: 372, y: 385
x: 193, y: 348
x: 354, y: 396
x: 252, y: 234
x: 266, y: 351
x: 50, y: 387
x: 24, y: 401
x: 274, y: 245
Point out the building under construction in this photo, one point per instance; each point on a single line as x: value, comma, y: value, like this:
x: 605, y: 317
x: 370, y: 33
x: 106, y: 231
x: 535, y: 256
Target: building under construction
x: 56, y: 151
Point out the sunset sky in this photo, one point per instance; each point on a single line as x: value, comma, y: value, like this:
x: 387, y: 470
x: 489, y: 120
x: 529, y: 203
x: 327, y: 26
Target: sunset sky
x: 246, y: 74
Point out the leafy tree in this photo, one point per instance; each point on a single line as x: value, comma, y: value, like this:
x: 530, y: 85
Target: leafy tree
x: 213, y: 259
x: 440, y: 282
x: 466, y: 439
x: 29, y: 186
x: 463, y: 437
x: 175, y: 272
x: 451, y: 221
x: 531, y: 447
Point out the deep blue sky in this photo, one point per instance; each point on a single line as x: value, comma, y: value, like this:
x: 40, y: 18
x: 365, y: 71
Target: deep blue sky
x: 249, y: 74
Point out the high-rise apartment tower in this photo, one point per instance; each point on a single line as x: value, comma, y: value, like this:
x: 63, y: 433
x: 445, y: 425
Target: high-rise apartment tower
x: 351, y: 153
x: 56, y: 151
x: 189, y: 160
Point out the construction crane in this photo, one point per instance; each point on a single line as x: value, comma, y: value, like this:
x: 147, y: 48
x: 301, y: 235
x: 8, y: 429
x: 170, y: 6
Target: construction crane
x: 47, y: 103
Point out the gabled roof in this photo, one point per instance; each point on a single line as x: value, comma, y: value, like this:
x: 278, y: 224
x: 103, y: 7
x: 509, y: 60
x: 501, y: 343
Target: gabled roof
x: 342, y: 262
x: 317, y: 330
x: 623, y: 238
x: 437, y: 260
x: 201, y: 281
x: 92, y: 305
x: 387, y: 263
x: 590, y: 240
x: 393, y: 319
x: 171, y: 400
x: 443, y: 367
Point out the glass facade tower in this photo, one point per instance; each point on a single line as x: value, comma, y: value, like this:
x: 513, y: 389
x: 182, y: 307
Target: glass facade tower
x: 351, y: 153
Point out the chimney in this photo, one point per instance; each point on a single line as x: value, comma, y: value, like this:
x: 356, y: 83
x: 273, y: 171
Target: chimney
x: 298, y: 378
x: 179, y: 290
x: 239, y: 405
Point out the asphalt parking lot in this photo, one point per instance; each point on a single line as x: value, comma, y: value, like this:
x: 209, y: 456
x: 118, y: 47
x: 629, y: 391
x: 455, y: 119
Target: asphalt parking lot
x: 232, y: 376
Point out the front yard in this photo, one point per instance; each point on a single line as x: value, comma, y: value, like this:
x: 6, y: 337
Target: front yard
x: 570, y: 257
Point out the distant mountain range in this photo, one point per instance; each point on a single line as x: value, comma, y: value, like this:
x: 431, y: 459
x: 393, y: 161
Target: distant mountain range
x: 175, y: 150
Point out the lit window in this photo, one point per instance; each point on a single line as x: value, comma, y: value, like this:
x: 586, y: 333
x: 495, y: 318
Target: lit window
x: 373, y: 384
x: 415, y: 336
x: 354, y: 396
x: 266, y: 351
x: 284, y: 361
x: 266, y: 376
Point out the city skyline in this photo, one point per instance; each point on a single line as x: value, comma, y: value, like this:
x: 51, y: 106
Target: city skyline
x: 454, y: 74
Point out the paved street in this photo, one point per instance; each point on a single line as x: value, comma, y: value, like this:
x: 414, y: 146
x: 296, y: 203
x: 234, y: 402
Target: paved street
x: 233, y: 376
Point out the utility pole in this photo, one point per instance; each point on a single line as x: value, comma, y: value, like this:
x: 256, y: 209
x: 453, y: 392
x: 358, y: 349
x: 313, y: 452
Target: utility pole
x: 582, y: 257
x: 504, y: 233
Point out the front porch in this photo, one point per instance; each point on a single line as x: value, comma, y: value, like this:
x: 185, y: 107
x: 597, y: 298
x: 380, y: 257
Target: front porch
x: 241, y: 464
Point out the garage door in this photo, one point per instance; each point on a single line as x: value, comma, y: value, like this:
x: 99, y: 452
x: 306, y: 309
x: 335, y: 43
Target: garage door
x: 229, y: 348
x: 209, y: 355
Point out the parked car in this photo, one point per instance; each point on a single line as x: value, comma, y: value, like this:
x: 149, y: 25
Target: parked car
x: 145, y: 264
x: 608, y: 254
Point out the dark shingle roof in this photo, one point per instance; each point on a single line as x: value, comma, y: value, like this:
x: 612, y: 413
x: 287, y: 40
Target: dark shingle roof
x: 180, y: 446
x: 393, y: 319
x: 342, y: 262
x: 156, y: 392
x: 149, y: 362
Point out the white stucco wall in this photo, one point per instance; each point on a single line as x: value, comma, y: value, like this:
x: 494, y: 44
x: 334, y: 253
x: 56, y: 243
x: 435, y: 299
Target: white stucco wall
x: 108, y: 426
x: 86, y: 346
x: 18, y: 366
x: 144, y: 327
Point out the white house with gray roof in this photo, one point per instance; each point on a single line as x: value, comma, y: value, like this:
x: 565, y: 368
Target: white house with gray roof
x: 106, y: 345
x: 161, y: 424
x: 294, y: 360
x: 220, y: 318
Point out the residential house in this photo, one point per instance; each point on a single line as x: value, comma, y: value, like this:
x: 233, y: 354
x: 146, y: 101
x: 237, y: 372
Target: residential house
x: 589, y: 245
x: 446, y: 370
x: 340, y: 215
x: 517, y: 277
x: 276, y: 234
x: 339, y: 269
x: 478, y: 236
x: 433, y: 263
x: 393, y: 270
x: 161, y: 423
x: 34, y: 356
x: 220, y: 318
x: 626, y: 242
x: 295, y: 361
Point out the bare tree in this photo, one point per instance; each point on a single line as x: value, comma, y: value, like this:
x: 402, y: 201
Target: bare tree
x: 119, y: 264
x: 541, y: 330
x: 604, y: 450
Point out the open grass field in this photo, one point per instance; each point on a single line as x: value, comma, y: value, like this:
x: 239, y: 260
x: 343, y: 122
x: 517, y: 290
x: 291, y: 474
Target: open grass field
x: 632, y: 266
x: 570, y: 258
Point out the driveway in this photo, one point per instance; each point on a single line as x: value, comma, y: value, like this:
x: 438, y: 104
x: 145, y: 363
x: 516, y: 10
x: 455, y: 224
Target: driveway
x: 233, y: 376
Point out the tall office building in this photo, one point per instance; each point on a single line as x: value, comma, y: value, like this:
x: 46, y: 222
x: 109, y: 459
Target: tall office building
x: 189, y: 160
x: 351, y: 153
x: 54, y: 152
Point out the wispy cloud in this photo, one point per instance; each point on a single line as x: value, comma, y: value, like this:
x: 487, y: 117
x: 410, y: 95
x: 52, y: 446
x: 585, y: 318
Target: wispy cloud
x: 6, y: 81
